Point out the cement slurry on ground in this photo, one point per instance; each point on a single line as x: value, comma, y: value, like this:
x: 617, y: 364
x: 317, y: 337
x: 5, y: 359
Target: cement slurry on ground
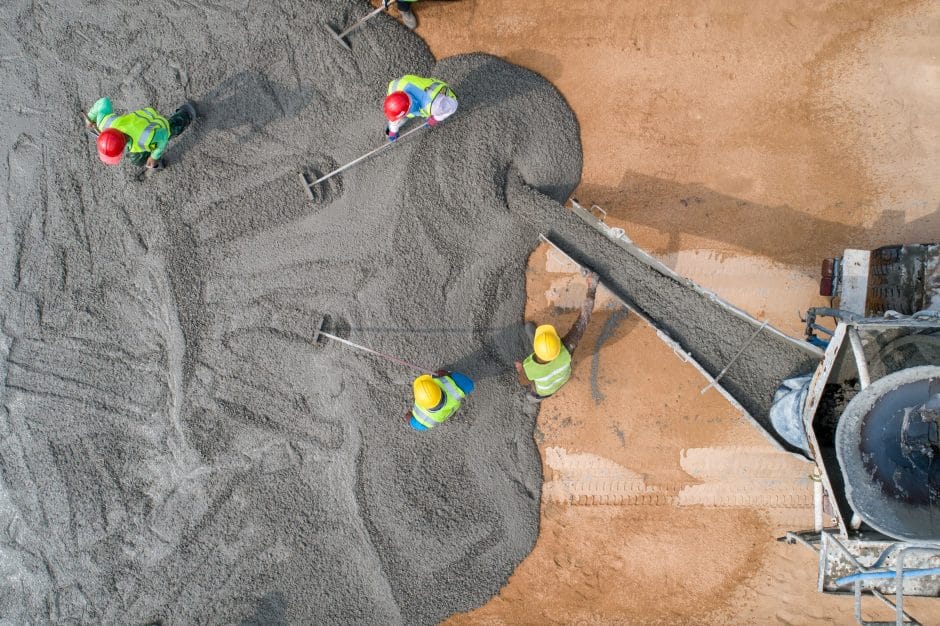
x: 173, y: 447
x: 705, y: 328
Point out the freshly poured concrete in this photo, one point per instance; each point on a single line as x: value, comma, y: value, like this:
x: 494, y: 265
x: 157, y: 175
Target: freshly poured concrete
x: 173, y: 445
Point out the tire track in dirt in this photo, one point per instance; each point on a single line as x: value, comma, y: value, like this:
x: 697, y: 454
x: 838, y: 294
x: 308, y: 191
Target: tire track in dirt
x: 589, y: 479
x: 738, y: 476
x: 734, y: 477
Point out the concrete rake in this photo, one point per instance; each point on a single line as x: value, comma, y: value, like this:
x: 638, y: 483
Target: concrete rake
x: 320, y: 334
x: 308, y: 186
x: 340, y: 37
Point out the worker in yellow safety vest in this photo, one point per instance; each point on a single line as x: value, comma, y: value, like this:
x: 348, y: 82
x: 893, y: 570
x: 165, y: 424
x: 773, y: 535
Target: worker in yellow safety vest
x: 144, y: 133
x: 549, y: 366
x: 437, y: 398
x: 416, y: 96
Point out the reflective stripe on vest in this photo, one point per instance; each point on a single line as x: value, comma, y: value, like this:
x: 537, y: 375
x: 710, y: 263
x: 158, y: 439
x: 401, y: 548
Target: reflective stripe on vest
x: 154, y: 121
x: 452, y: 396
x: 548, y: 377
x: 553, y: 376
x: 107, y: 121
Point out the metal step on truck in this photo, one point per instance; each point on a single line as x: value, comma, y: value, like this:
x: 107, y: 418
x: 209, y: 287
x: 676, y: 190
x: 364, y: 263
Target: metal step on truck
x: 868, y: 417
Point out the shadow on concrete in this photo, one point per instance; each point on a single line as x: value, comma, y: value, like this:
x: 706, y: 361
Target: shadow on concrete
x: 501, y: 347
x: 781, y: 233
x: 271, y: 610
x: 230, y: 106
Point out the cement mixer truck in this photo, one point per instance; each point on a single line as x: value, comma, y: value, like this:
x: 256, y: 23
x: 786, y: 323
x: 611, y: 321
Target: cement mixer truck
x: 860, y: 397
x: 869, y: 417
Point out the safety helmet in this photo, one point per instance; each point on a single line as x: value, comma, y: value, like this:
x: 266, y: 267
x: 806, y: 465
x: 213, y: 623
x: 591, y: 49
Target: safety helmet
x: 396, y: 105
x: 111, y: 144
x: 546, y: 344
x: 427, y: 393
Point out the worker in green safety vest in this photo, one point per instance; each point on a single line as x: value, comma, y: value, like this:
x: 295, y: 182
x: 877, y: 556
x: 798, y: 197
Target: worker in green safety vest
x: 143, y: 133
x: 548, y: 368
x: 437, y: 398
x: 416, y: 96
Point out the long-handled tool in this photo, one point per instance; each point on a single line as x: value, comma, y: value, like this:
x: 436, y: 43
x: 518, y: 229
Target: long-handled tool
x: 391, y: 358
x: 735, y: 357
x: 358, y: 23
x: 308, y: 186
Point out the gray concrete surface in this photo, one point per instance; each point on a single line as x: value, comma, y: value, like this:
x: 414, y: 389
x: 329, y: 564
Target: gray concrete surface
x: 172, y: 447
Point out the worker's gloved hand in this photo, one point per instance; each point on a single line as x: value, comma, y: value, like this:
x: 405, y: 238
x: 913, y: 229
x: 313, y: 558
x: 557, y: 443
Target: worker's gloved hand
x: 432, y: 122
x: 154, y: 165
x: 391, y: 136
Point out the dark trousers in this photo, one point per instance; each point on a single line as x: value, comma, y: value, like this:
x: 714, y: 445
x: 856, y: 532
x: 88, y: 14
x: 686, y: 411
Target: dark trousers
x: 178, y: 123
x: 404, y: 6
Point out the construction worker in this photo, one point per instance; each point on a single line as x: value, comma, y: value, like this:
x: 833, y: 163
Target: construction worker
x: 437, y: 398
x: 416, y: 96
x: 144, y: 133
x: 407, y: 13
x: 549, y: 366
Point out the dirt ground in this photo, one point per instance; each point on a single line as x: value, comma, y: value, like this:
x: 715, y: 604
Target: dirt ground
x: 740, y: 142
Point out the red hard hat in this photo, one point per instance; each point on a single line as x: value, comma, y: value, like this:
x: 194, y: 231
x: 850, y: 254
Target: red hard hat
x: 111, y: 144
x: 396, y: 105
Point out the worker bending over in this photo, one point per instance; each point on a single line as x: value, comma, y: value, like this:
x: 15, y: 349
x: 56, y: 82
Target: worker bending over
x: 144, y: 133
x: 549, y: 366
x: 415, y: 96
x: 437, y: 398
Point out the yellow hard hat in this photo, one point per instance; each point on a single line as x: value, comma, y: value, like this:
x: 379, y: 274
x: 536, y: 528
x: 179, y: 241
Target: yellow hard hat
x: 427, y: 393
x: 547, y: 345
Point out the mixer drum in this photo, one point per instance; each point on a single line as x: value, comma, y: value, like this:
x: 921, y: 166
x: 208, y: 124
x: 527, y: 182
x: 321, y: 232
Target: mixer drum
x: 889, y: 452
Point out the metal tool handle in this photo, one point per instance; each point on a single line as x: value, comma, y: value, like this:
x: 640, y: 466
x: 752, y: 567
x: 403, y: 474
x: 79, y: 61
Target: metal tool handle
x: 735, y: 357
x: 367, y: 17
x: 365, y: 156
x: 375, y: 352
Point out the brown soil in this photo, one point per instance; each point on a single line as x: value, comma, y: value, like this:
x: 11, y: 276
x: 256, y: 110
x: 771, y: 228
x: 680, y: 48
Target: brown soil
x: 741, y: 143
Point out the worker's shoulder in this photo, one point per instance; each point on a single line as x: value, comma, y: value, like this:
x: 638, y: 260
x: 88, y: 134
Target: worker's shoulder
x: 463, y: 381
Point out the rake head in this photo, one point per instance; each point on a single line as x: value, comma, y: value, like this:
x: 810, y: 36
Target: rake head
x: 337, y: 37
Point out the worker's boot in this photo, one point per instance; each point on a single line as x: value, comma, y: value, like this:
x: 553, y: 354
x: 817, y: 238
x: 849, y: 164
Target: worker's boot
x: 409, y: 19
x: 181, y: 118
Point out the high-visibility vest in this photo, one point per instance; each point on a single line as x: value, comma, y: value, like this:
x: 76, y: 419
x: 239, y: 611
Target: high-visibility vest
x: 548, y: 377
x: 422, y: 92
x: 453, y: 394
x: 141, y: 126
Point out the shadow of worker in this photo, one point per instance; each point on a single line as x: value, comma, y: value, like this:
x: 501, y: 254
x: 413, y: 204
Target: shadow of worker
x: 501, y: 347
x: 244, y: 104
x: 271, y: 610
